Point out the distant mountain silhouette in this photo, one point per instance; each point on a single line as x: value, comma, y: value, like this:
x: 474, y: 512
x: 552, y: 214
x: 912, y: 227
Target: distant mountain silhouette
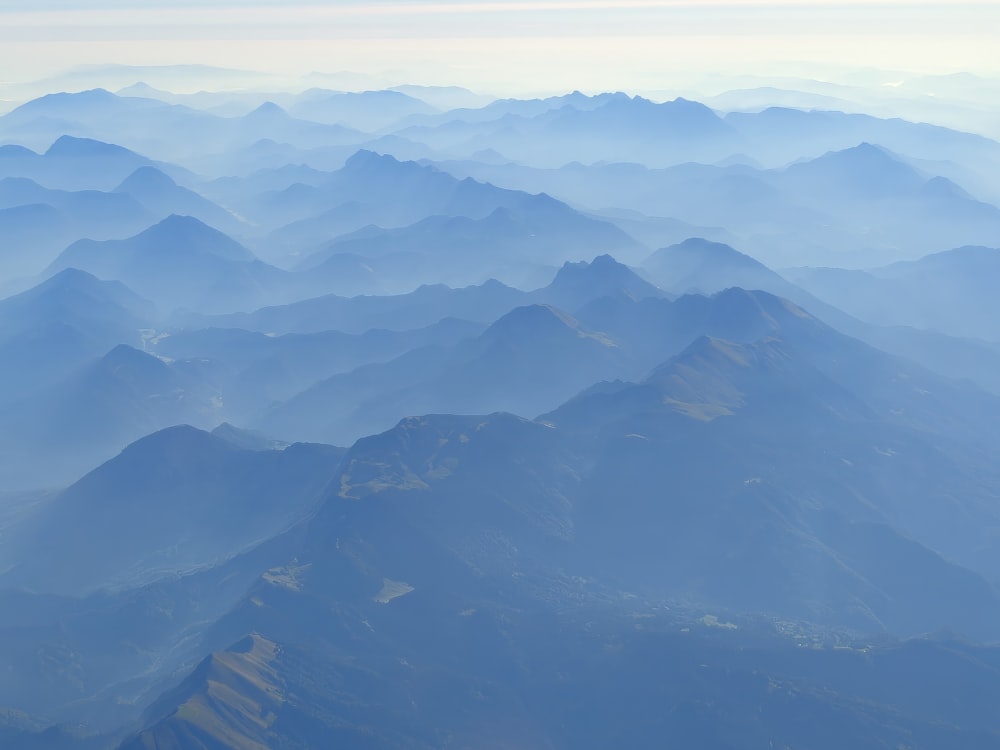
x: 779, y: 135
x: 608, y: 127
x: 698, y: 265
x: 179, y: 262
x: 149, y: 125
x: 72, y: 163
x: 576, y: 284
x: 482, y: 303
x: 373, y: 189
x: 863, y: 170
x: 158, y: 192
x: 860, y: 204
x: 39, y: 222
x: 177, y: 500
x: 458, y: 250
x: 89, y: 414
x: 253, y: 370
x: 366, y: 110
x: 950, y: 292
x: 55, y: 327
x: 531, y: 358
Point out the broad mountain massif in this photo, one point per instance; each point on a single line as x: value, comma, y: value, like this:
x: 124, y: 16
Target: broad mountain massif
x: 419, y: 419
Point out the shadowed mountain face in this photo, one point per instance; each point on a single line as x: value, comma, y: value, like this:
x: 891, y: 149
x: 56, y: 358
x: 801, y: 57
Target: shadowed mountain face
x: 710, y: 435
x: 698, y: 442
x: 450, y: 549
x: 93, y: 412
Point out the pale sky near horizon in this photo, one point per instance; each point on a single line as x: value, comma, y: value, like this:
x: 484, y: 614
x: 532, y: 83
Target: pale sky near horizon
x: 504, y: 46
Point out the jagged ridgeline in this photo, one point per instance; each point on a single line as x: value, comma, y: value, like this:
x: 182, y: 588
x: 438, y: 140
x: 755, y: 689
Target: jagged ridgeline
x: 420, y: 419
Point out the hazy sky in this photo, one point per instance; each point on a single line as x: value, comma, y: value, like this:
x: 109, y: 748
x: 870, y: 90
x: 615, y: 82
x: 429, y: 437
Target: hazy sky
x: 504, y: 46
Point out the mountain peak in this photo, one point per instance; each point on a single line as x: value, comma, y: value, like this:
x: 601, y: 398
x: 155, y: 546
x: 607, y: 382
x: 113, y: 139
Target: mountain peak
x: 866, y: 167
x: 701, y: 251
x: 967, y: 261
x: 187, y: 230
x: 707, y: 379
x: 79, y: 298
x: 701, y: 245
x: 365, y: 157
x: 175, y: 441
x: 71, y: 146
x: 250, y: 440
x: 537, y: 324
x: 942, y: 187
x: 71, y: 278
x: 98, y: 96
x: 123, y: 354
x: 141, y: 89
x: 366, y: 161
x: 577, y: 283
x: 268, y: 109
x: 867, y: 148
x: 741, y: 305
x: 706, y: 266
x: 865, y: 153
x: 12, y: 150
x: 532, y: 318
x: 146, y: 179
x: 719, y: 350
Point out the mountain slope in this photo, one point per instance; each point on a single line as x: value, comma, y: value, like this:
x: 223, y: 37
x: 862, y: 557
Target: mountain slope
x: 530, y: 359
x: 58, y: 325
x: 177, y: 500
x: 179, y: 262
x: 465, y: 571
x: 162, y: 195
x: 949, y: 292
x: 577, y: 284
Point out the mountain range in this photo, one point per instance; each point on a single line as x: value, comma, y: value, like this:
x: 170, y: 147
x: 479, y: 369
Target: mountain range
x: 416, y: 418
